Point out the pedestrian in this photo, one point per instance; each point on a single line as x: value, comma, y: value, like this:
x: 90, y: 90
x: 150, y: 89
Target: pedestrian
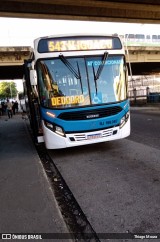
x: 9, y: 109
x: 3, y: 107
x: 16, y: 106
x: 13, y: 107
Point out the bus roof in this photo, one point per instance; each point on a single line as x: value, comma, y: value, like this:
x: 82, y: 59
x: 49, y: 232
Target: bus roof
x: 75, y: 34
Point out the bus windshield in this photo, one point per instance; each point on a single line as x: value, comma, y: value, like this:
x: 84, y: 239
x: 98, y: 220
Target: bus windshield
x: 66, y: 82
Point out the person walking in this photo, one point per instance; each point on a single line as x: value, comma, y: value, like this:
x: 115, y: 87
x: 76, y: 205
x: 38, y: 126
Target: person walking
x: 13, y: 107
x: 16, y: 106
x: 9, y: 109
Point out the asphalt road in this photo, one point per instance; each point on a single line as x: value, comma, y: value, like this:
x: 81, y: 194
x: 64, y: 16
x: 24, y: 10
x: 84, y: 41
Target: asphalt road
x: 117, y: 183
x: 145, y: 126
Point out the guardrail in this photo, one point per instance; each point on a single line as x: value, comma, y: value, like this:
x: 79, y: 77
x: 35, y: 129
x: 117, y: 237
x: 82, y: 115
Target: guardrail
x: 142, y: 96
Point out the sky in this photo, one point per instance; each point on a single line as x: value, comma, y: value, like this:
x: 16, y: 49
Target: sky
x: 22, y: 32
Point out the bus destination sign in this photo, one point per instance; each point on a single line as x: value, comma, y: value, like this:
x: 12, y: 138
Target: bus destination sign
x: 71, y: 45
x: 78, y: 44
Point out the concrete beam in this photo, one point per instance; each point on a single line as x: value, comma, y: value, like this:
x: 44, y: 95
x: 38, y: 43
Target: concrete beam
x: 143, y: 11
x: 11, y: 56
x: 142, y: 54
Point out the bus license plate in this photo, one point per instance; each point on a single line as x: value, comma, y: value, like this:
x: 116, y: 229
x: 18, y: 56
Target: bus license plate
x: 94, y: 136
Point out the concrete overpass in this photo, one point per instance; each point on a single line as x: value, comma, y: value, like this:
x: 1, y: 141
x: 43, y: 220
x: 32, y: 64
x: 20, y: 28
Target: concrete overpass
x: 137, y: 11
x: 11, y: 61
x: 145, y: 60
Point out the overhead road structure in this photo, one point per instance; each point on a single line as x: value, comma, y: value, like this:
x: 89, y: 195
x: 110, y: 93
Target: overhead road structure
x: 144, y: 60
x: 135, y: 11
x: 12, y: 60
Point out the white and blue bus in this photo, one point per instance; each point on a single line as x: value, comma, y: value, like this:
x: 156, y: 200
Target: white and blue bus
x: 77, y: 90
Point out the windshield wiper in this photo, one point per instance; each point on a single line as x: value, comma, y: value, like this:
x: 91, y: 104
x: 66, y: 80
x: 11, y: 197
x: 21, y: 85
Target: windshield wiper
x: 100, y: 68
x: 95, y: 80
x: 71, y: 68
x: 79, y: 77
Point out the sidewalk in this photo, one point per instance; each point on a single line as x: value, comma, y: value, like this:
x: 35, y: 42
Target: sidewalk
x: 27, y: 204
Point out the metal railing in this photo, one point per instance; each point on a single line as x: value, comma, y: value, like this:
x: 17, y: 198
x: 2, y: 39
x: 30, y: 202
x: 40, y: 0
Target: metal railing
x: 144, y: 95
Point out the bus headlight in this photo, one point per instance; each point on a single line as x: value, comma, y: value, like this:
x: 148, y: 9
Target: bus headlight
x: 124, y: 119
x: 49, y: 125
x: 59, y: 131
x: 54, y: 128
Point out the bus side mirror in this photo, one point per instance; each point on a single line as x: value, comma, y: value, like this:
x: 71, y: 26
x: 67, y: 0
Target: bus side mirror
x: 33, y: 77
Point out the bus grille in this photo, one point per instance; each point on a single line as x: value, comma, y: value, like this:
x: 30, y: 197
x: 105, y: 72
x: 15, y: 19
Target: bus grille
x: 83, y: 136
x: 90, y: 114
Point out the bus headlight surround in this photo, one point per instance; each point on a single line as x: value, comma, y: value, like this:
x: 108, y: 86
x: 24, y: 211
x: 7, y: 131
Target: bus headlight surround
x: 59, y: 130
x: 55, y: 128
x: 124, y: 119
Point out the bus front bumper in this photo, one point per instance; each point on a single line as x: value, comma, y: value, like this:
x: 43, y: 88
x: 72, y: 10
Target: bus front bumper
x: 55, y: 141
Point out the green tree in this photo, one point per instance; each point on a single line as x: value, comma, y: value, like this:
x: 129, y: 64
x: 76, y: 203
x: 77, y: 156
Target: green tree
x: 8, y: 90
